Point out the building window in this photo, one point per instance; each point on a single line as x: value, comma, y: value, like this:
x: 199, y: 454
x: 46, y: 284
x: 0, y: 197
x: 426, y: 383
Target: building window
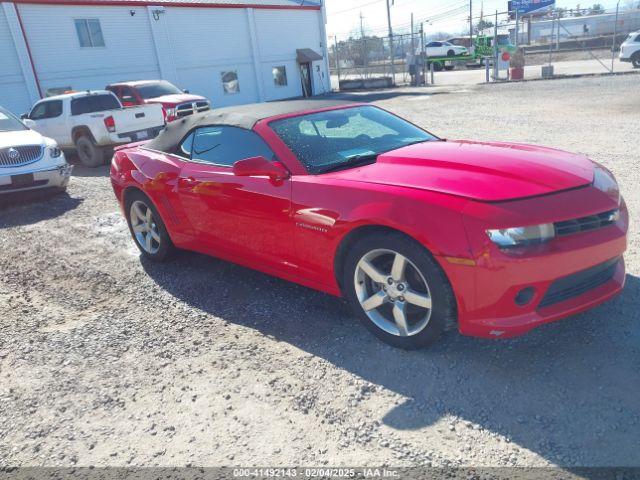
x: 89, y: 32
x: 230, y: 83
x: 280, y: 76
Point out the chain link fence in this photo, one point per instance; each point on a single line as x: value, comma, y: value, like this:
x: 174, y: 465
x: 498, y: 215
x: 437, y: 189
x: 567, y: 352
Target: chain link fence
x: 509, y: 47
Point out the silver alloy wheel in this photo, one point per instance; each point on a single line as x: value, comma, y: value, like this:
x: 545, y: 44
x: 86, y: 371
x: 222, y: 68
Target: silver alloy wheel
x: 144, y: 227
x: 393, y: 292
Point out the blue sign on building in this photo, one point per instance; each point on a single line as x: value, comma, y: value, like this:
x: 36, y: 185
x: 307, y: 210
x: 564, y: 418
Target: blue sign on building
x: 529, y: 6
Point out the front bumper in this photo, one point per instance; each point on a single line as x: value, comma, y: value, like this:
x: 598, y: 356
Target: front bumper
x: 487, y: 291
x: 50, y: 177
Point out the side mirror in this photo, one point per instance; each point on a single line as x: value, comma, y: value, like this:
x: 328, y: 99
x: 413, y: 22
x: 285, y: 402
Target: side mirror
x: 186, y: 90
x: 24, y: 116
x: 260, y: 167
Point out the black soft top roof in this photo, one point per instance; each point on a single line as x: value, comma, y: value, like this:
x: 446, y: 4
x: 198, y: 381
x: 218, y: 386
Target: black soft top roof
x: 242, y: 116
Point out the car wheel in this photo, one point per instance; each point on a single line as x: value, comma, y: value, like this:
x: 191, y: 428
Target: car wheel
x: 449, y: 67
x: 451, y: 53
x: 147, y: 228
x: 635, y: 60
x: 398, y: 291
x: 90, y: 154
x: 437, y: 66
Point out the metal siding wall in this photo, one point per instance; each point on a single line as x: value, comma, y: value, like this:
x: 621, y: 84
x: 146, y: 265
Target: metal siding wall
x: 280, y: 33
x: 128, y: 53
x: 14, y: 95
x: 208, y: 41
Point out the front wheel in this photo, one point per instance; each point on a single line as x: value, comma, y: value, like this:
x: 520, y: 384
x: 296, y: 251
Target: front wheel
x: 398, y: 291
x: 635, y: 60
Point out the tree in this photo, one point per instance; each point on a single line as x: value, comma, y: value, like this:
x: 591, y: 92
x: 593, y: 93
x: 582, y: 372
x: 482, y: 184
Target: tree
x: 483, y: 24
x: 596, y: 9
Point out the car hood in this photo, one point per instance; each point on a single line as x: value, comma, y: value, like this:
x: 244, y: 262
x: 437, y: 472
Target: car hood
x: 477, y: 170
x: 175, y: 99
x: 20, y: 137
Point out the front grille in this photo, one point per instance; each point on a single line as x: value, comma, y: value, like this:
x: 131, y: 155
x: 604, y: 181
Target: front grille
x: 22, y: 155
x: 187, y: 109
x: 579, y: 283
x: 586, y: 224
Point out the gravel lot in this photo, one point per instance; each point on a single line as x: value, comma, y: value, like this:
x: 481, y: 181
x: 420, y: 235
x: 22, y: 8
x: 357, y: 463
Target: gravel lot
x: 107, y: 360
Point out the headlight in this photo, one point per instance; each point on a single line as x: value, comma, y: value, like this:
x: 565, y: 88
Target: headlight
x: 604, y: 181
x: 54, y: 152
x: 520, y: 236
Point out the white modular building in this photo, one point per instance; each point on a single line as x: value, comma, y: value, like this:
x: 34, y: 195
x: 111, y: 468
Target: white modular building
x: 231, y: 51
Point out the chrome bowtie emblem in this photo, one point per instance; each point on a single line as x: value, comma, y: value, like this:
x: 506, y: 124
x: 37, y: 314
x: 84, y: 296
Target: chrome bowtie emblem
x: 13, y: 154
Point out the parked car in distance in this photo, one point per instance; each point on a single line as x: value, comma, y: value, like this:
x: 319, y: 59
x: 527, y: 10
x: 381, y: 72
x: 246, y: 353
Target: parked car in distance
x: 93, y: 122
x: 419, y: 233
x: 29, y: 161
x: 444, y: 49
x: 175, y: 103
x: 630, y: 49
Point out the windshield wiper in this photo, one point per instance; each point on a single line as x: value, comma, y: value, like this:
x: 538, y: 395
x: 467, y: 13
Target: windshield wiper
x: 354, y: 161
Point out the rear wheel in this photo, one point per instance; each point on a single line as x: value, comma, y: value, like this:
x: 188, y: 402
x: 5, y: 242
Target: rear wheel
x: 147, y: 228
x: 90, y: 154
x: 398, y: 291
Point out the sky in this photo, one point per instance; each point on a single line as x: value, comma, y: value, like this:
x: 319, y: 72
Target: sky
x: 451, y: 16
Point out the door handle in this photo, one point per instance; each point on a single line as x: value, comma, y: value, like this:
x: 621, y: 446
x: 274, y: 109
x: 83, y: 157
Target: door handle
x: 189, y: 181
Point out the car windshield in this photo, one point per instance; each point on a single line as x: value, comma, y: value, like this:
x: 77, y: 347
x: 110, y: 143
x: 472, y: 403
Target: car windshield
x: 153, y: 90
x: 10, y: 123
x: 336, y: 139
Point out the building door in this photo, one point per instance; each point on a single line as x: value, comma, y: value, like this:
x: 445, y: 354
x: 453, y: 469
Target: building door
x: 305, y: 76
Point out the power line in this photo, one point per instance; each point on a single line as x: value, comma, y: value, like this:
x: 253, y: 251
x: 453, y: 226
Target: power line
x: 436, y: 16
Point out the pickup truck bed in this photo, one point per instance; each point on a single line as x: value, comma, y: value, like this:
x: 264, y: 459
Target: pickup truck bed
x: 94, y: 122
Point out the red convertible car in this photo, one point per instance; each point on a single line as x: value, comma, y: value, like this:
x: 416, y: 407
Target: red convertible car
x: 419, y: 233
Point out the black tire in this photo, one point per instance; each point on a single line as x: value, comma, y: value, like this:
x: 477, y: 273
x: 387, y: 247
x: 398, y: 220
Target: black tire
x: 89, y: 153
x: 449, y: 67
x: 437, y: 66
x: 451, y: 53
x: 635, y: 60
x: 165, y: 247
x: 443, y: 310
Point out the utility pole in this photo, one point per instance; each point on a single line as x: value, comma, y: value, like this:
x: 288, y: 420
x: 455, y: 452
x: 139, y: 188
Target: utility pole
x: 495, y: 48
x: 364, y: 51
x: 335, y: 39
x: 615, y: 33
x: 471, y: 26
x: 391, y: 51
x: 423, y: 54
x: 413, y: 52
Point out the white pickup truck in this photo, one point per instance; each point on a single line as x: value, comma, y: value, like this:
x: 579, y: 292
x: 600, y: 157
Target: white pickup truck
x: 93, y: 122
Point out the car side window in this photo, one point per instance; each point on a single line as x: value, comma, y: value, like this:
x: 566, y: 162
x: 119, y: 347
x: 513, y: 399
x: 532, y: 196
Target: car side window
x: 225, y: 145
x: 43, y: 110
x: 39, y: 111
x: 185, y: 147
x: 126, y: 96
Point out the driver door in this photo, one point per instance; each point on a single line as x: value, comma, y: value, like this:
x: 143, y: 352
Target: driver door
x: 248, y: 218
